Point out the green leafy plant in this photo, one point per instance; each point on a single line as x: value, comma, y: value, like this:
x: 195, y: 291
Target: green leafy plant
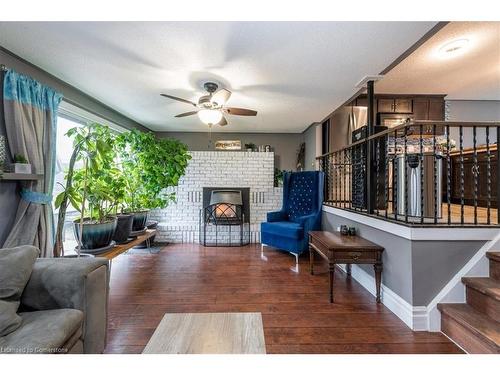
x: 88, y: 189
x: 251, y: 146
x: 20, y: 159
x: 278, y: 177
x: 151, y: 165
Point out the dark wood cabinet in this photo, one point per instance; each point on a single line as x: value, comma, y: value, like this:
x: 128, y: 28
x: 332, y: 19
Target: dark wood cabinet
x: 421, y: 109
x: 394, y: 105
x: 385, y: 105
x: 436, y: 110
x: 474, y: 172
x: 403, y: 106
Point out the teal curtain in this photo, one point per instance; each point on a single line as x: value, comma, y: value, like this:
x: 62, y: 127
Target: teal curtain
x: 30, y: 111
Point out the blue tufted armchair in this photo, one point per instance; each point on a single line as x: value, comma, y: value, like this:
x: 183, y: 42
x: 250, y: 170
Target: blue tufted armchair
x: 288, y: 228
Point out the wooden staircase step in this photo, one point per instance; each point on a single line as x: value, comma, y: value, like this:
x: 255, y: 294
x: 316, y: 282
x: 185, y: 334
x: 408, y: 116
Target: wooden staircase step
x: 484, y: 285
x: 483, y: 295
x: 494, y: 255
x: 494, y: 258
x: 472, y: 330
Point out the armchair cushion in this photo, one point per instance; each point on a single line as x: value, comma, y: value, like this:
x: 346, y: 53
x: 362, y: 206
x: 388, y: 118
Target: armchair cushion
x: 283, y: 229
x: 47, y: 331
x: 277, y: 216
x: 80, y: 284
x: 16, y: 265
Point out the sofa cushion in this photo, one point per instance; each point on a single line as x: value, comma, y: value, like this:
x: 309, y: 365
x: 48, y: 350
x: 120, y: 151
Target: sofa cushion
x: 283, y: 229
x: 45, y: 331
x: 16, y: 265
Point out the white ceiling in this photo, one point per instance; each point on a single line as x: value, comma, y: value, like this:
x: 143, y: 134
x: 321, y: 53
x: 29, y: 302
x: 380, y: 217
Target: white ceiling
x: 473, y: 74
x: 293, y: 74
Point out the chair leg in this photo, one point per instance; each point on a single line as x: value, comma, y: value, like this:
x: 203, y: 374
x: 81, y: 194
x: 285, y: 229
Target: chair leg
x: 296, y: 268
x: 262, y: 256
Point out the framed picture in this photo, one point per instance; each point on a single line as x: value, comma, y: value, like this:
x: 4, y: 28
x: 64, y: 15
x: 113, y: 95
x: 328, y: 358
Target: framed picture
x: 228, y: 145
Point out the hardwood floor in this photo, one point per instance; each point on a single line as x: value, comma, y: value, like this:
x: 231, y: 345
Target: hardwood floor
x: 296, y: 314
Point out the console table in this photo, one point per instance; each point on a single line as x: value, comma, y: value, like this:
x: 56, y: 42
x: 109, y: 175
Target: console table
x: 339, y: 249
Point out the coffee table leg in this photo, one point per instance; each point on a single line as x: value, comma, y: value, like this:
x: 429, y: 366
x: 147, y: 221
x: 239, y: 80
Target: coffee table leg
x: 311, y: 260
x: 348, y: 269
x: 332, y: 272
x: 378, y: 278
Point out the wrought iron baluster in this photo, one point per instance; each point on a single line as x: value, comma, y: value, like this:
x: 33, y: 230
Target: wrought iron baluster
x: 349, y: 178
x: 386, y: 175
x: 405, y: 158
x: 488, y: 177
x: 344, y: 170
x: 377, y: 177
x: 448, y: 173
x: 461, y: 138
x: 435, y: 179
x: 475, y: 171
x: 421, y: 162
x: 395, y: 187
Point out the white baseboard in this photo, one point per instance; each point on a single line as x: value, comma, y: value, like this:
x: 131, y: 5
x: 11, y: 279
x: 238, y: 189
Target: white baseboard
x: 414, y: 317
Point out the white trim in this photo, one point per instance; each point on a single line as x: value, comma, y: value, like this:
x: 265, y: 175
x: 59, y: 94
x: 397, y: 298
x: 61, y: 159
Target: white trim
x: 81, y: 115
x: 414, y: 317
x: 415, y: 233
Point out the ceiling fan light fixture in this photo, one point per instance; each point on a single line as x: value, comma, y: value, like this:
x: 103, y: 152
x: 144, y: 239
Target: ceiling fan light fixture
x: 210, y: 116
x: 454, y: 48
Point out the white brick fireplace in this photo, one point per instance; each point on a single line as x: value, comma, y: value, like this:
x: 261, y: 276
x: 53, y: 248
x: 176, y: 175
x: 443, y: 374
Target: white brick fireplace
x: 179, y: 222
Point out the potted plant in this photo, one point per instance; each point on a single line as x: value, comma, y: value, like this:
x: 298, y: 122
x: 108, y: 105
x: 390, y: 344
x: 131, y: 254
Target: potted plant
x: 88, y: 189
x: 278, y: 177
x: 151, y: 165
x: 250, y: 146
x: 124, y: 220
x: 21, y: 164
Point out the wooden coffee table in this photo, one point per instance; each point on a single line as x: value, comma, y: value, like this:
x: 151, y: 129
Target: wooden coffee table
x: 208, y: 333
x: 339, y: 249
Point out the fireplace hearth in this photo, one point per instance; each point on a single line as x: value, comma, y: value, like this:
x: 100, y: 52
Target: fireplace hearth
x: 224, y: 218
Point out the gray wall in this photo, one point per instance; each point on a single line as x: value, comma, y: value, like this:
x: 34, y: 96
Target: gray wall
x: 434, y: 263
x: 309, y: 137
x: 414, y: 270
x: 396, y: 257
x: 9, y: 199
x: 71, y: 94
x: 473, y: 110
x: 285, y: 145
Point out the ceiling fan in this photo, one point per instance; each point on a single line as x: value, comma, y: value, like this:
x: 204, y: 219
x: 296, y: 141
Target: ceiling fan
x: 211, y: 108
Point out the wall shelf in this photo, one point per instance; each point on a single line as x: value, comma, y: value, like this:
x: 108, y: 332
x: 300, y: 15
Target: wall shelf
x: 8, y: 176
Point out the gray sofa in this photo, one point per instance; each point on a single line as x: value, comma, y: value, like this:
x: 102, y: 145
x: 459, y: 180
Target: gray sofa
x: 63, y: 308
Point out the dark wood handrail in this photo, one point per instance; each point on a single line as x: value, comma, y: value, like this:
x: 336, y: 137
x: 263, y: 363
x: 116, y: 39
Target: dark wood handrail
x: 464, y: 124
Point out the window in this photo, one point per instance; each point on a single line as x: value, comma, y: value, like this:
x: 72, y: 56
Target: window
x: 69, y: 117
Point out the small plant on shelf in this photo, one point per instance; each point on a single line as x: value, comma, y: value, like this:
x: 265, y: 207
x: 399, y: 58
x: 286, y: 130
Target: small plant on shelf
x: 21, y: 164
x: 250, y: 146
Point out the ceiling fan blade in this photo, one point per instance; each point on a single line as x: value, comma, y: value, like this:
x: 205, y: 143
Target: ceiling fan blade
x: 187, y: 114
x: 240, y: 111
x: 223, y: 121
x: 221, y: 96
x: 179, y: 99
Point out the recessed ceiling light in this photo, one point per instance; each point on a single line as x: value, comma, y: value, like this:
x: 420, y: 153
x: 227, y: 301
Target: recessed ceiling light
x: 453, y: 48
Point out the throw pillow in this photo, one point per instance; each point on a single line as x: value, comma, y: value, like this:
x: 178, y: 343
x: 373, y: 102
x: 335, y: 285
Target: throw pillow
x: 16, y: 265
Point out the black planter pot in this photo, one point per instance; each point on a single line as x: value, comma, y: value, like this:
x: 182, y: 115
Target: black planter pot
x: 95, y: 235
x: 151, y: 224
x: 139, y: 221
x: 123, y: 227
